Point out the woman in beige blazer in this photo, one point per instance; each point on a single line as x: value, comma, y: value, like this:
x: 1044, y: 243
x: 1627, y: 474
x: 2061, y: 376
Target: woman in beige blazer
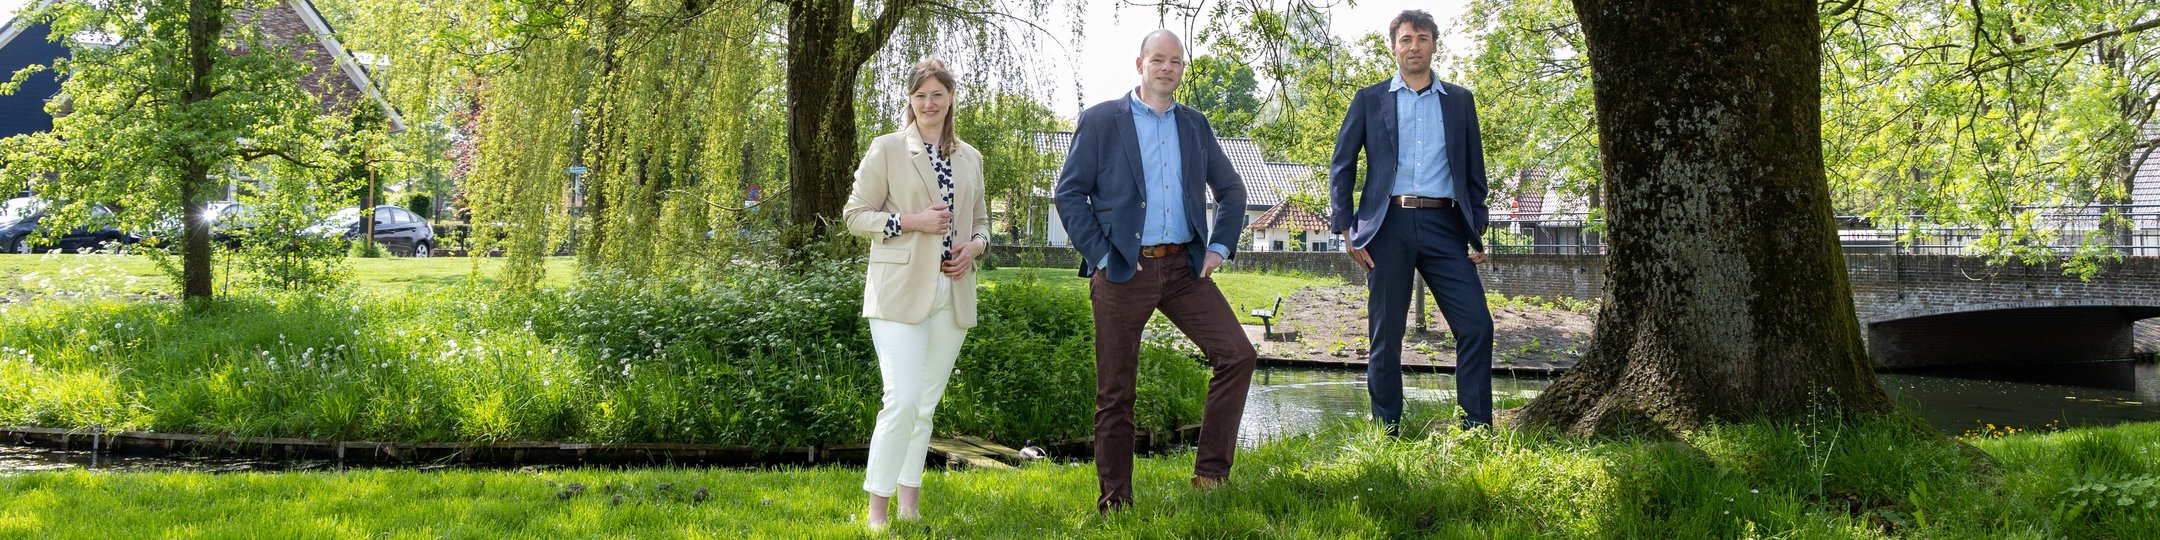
x: 918, y: 197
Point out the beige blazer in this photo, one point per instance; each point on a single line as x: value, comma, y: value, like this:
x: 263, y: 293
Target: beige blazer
x: 895, y: 178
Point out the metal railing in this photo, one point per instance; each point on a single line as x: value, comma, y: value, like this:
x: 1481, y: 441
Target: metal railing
x: 2134, y: 230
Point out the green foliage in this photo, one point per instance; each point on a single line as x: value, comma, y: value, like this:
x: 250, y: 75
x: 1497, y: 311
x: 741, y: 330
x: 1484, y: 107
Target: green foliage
x: 1985, y: 114
x: 1028, y: 370
x: 1533, y: 95
x: 148, y: 121
x: 1502, y: 240
x: 421, y: 205
x: 1981, y: 116
x: 2120, y: 494
x: 1224, y: 89
x: 1003, y: 127
x: 759, y: 357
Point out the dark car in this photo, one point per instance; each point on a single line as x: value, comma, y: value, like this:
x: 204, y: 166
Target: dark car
x: 398, y: 230
x: 21, y: 217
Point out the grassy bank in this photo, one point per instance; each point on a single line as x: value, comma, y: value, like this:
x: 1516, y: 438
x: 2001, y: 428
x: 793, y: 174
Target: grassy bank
x: 755, y: 357
x: 1749, y: 481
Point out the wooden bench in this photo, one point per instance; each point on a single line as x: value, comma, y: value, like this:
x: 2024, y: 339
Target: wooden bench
x: 1267, y: 318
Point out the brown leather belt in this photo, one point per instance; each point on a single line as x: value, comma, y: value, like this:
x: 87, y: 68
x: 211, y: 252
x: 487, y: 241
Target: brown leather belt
x: 1413, y: 201
x: 1161, y: 250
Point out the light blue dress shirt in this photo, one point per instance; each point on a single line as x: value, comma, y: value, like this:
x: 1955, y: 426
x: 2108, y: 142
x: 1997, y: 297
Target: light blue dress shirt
x: 1161, y: 164
x: 1162, y: 169
x: 1421, y: 149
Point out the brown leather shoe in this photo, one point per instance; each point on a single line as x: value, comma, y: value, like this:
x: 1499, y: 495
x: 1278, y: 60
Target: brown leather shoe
x: 1203, y: 483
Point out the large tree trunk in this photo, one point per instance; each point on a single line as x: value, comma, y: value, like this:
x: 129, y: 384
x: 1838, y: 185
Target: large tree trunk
x: 1727, y: 294
x: 206, y: 23
x: 825, y: 54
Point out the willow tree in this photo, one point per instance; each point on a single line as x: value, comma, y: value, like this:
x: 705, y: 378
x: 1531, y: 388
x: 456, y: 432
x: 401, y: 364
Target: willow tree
x: 1005, y: 127
x: 176, y: 93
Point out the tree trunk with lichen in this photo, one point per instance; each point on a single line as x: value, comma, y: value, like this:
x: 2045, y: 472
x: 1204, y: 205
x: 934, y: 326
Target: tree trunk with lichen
x: 1727, y: 295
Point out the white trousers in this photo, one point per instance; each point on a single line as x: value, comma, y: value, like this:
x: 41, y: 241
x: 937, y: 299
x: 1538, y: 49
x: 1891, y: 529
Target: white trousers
x: 916, y: 360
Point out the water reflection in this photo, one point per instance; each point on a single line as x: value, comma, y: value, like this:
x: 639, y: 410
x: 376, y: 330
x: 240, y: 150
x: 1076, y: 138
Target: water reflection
x: 2031, y: 397
x: 1287, y: 402
x: 15, y: 458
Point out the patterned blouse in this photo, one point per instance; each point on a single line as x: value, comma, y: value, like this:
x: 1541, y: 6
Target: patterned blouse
x: 943, y: 167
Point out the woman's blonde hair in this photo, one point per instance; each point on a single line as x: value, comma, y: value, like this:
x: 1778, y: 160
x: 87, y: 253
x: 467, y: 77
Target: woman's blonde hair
x: 926, y: 70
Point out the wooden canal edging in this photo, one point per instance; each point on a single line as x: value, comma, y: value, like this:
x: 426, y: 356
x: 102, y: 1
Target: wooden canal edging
x: 962, y: 451
x: 380, y: 452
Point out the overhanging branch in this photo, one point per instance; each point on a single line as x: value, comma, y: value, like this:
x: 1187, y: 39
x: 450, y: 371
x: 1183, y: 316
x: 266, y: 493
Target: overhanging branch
x: 2019, y: 56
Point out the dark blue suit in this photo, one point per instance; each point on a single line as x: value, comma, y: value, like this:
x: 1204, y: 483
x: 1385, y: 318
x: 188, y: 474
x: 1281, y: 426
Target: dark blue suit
x: 1434, y: 242
x: 1101, y: 197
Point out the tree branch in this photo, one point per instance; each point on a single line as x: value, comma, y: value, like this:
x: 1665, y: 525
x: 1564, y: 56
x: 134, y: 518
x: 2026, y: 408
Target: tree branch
x: 259, y: 153
x: 1841, y: 8
x: 984, y: 16
x: 869, y: 40
x: 2016, y: 57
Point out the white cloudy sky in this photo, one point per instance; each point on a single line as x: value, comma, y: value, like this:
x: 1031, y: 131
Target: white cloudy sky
x: 1104, y: 59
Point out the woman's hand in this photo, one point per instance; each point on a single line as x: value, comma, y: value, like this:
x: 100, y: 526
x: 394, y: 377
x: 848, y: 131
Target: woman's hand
x: 934, y: 220
x: 963, y: 259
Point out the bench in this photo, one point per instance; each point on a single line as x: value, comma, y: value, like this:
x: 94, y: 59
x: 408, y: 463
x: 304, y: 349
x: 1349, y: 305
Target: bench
x: 1267, y: 318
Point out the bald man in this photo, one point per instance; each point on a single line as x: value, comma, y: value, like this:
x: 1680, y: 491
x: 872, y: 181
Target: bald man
x: 1131, y: 198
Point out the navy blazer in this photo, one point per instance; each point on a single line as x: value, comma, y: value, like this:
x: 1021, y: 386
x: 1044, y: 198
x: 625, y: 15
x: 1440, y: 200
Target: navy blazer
x: 1101, y: 193
x: 1370, y: 126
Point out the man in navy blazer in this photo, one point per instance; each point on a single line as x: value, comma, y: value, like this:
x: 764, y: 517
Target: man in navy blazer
x: 1421, y: 211
x: 1131, y: 198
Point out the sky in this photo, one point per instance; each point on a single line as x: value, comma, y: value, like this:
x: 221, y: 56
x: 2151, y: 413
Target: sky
x: 1105, y: 55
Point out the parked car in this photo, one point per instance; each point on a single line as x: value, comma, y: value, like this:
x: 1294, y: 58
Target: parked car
x: 228, y: 221
x: 398, y: 230
x: 21, y: 217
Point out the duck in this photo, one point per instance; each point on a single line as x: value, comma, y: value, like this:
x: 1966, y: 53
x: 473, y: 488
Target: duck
x: 1029, y: 451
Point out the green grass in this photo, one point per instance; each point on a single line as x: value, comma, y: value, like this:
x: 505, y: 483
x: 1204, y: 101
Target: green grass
x: 1245, y: 291
x: 1746, y: 481
x: 59, y: 273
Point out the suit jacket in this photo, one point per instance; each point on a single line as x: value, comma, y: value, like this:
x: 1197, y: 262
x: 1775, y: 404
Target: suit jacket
x: 1370, y: 126
x: 895, y: 178
x: 1102, y: 195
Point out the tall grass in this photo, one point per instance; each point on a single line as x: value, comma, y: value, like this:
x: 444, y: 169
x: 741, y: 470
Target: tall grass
x: 753, y: 357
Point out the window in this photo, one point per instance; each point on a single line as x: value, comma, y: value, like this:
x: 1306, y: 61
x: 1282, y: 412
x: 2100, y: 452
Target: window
x: 1278, y: 245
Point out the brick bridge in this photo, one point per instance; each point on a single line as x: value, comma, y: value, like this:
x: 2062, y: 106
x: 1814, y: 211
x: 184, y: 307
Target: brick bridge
x: 1918, y: 310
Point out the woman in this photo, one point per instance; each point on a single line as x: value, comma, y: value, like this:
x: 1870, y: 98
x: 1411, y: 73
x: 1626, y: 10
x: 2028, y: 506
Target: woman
x: 912, y: 187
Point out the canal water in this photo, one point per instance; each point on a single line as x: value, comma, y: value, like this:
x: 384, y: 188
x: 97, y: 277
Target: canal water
x: 1287, y: 402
